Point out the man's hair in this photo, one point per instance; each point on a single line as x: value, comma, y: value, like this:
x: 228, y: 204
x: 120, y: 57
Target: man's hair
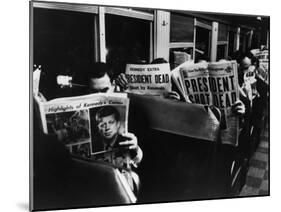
x: 98, y: 70
x: 107, y: 111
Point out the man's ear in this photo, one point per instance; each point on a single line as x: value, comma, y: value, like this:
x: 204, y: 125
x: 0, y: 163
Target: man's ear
x: 118, y: 124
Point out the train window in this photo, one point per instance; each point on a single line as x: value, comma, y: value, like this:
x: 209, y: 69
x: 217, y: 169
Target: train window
x: 182, y: 28
x: 231, y: 40
x: 127, y: 41
x: 223, y: 32
x: 221, y: 51
x: 202, y: 45
x: 63, y: 41
x: 243, y: 42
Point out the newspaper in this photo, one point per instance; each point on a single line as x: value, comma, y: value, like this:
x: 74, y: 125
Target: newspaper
x: 176, y: 77
x: 152, y: 79
x: 181, y: 57
x: 74, y: 120
x: 214, y: 84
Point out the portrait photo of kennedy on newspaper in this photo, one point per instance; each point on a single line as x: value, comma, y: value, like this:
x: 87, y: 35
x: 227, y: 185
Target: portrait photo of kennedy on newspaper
x: 109, y: 129
x: 87, y: 125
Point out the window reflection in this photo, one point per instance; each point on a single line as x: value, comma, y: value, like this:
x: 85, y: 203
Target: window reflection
x: 63, y: 43
x: 182, y: 28
x: 127, y: 41
x: 202, y: 45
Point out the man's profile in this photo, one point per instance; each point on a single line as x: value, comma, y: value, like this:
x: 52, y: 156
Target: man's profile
x: 99, y: 78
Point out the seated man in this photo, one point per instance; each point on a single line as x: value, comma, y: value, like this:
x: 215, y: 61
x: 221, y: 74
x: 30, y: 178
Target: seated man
x: 120, y: 150
x: 99, y: 78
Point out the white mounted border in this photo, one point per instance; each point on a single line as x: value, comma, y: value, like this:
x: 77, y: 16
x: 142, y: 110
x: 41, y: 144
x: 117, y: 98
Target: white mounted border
x: 66, y: 6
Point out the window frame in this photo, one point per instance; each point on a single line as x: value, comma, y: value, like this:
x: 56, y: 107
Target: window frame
x: 66, y: 6
x: 175, y: 45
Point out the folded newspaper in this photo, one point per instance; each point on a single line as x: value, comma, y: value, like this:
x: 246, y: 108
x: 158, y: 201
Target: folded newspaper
x: 78, y: 122
x: 152, y: 79
x: 212, y: 84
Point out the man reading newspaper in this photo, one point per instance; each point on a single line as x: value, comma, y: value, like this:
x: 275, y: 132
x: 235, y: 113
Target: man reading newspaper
x: 99, y: 80
x: 215, y: 84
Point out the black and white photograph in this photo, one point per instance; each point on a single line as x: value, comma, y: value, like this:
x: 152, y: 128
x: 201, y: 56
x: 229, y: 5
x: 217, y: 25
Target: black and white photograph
x: 136, y: 105
x: 70, y: 127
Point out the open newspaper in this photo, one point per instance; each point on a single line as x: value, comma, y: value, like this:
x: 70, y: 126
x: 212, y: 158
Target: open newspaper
x: 263, y: 57
x: 213, y: 84
x: 78, y: 121
x: 152, y: 79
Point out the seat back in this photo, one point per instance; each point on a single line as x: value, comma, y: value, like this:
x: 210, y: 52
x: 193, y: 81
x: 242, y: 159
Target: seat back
x: 178, y: 140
